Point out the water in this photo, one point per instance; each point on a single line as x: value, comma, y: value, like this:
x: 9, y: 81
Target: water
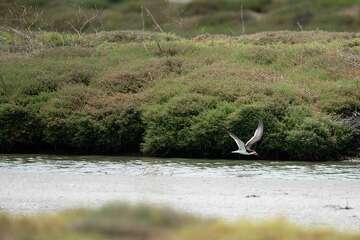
x: 140, y: 166
x: 321, y: 194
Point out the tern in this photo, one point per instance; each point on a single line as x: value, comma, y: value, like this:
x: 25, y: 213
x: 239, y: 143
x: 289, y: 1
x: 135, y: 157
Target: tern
x: 246, y: 149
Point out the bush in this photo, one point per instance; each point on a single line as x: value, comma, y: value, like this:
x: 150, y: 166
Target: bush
x: 207, y: 136
x: 168, y: 125
x: 125, y: 82
x: 124, y: 131
x: 39, y: 86
x: 203, y: 7
x: 244, y: 121
x: 20, y: 130
x: 188, y: 128
x: 73, y: 98
x: 96, y: 4
x: 118, y: 132
x: 292, y: 131
x: 56, y: 133
x: 85, y: 132
x: 55, y: 39
x: 103, y: 91
x: 317, y: 139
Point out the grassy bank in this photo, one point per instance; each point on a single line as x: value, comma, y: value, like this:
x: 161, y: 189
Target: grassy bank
x: 199, y: 16
x: 121, y: 92
x: 119, y: 221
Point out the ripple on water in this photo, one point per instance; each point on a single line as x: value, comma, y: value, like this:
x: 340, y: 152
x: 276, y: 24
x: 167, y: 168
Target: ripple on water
x: 135, y: 166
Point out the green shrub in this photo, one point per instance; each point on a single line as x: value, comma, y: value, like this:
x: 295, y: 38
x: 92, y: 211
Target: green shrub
x: 203, y: 7
x: 73, y: 98
x: 40, y: 86
x: 207, y: 136
x: 96, y: 4
x: 317, y: 139
x: 291, y: 131
x: 125, y: 82
x: 57, y: 135
x: 85, y: 132
x: 79, y: 75
x: 20, y: 130
x: 124, y: 131
x: 118, y: 132
x: 168, y: 125
x: 55, y: 39
x: 244, y: 121
x: 111, y: 95
x: 264, y: 55
x: 32, y: 3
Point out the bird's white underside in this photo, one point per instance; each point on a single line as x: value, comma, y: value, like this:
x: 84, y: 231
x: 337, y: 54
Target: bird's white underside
x: 245, y: 149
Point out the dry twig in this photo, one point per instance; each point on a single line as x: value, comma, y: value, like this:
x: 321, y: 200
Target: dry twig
x: 143, y: 30
x: 83, y: 24
x: 154, y: 20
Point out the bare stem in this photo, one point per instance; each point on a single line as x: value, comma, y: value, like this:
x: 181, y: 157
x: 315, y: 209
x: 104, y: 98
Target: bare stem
x: 242, y: 19
x: 154, y: 20
x: 143, y: 29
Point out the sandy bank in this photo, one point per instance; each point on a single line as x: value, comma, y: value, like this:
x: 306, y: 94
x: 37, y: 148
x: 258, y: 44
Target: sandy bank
x: 312, y: 202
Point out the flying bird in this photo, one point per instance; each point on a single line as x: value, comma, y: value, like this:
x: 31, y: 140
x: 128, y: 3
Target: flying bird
x: 246, y: 149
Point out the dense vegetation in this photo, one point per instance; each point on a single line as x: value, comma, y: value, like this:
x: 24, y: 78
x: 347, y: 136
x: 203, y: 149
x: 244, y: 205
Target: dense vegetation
x: 122, y: 92
x: 199, y: 16
x: 118, y: 221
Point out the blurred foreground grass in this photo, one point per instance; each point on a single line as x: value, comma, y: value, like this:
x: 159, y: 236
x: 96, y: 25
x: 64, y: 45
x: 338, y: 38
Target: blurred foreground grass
x: 198, y: 16
x: 119, y: 221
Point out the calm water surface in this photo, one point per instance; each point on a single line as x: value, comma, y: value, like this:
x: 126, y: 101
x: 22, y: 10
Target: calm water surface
x: 315, y: 194
x: 140, y: 166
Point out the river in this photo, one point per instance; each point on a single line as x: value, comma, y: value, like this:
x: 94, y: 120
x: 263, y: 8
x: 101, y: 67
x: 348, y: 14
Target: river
x: 320, y: 194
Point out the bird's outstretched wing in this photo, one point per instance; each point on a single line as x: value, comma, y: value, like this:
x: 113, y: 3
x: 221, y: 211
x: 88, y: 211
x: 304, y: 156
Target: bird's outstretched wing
x: 257, y: 136
x: 239, y: 143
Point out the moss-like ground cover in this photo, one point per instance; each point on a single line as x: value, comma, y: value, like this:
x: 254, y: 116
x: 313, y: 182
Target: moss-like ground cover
x: 125, y: 92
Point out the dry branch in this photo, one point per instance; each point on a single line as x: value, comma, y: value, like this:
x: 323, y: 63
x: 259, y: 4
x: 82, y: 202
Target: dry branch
x: 154, y: 20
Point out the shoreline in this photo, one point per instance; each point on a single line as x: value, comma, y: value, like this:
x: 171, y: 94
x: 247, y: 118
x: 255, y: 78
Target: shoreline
x: 145, y: 156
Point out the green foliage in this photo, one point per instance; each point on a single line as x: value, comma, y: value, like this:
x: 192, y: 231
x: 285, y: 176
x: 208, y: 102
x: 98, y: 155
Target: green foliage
x: 55, y: 39
x: 124, y: 131
x: 20, y: 129
x: 37, y: 3
x: 204, y: 7
x: 317, y: 139
x: 168, y: 124
x: 244, y: 121
x: 122, y: 92
x: 39, y: 86
x: 78, y: 131
x: 291, y: 131
x: 207, y: 136
x: 96, y: 4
